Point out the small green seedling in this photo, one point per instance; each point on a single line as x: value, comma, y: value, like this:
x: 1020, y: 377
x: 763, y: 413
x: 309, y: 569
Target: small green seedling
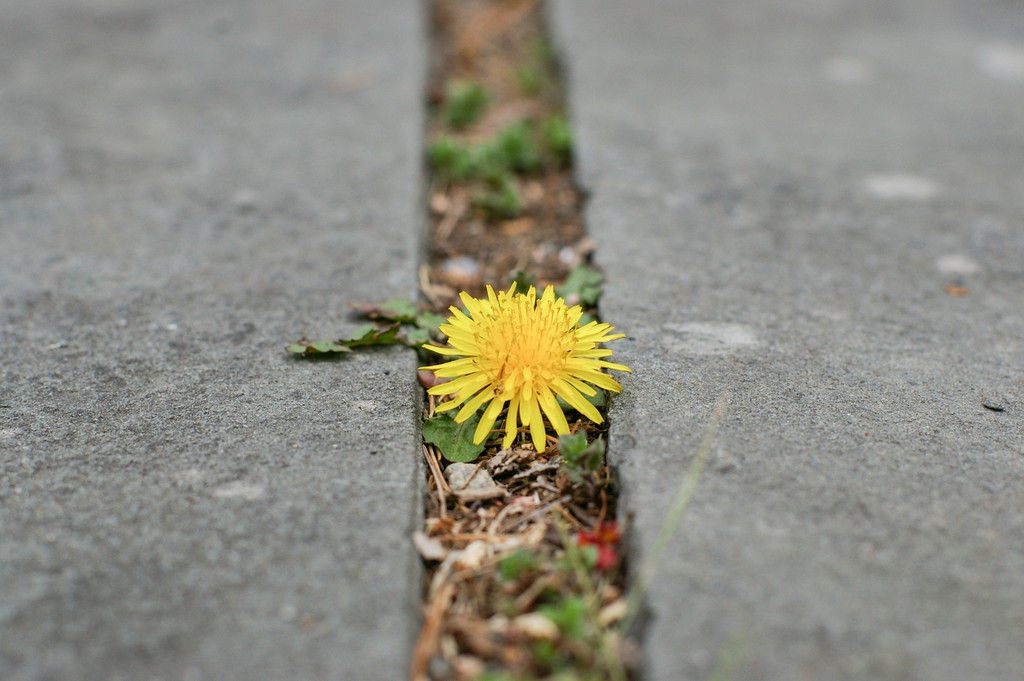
x: 500, y: 203
x: 580, y: 459
x: 465, y: 103
x: 452, y: 160
x: 519, y: 563
x: 516, y: 148
x: 582, y: 286
x: 531, y: 80
x: 570, y: 615
x: 558, y: 139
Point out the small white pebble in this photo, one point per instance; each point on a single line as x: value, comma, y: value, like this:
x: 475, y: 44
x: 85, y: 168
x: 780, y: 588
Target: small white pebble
x: 473, y: 556
x: 245, y: 199
x: 462, y: 266
x: 1001, y: 60
x: 536, y: 625
x: 848, y: 70
x: 901, y: 186
x: 239, y: 490
x: 957, y: 263
x: 189, y: 477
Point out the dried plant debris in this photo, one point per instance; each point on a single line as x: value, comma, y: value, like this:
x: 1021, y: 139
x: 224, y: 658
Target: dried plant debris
x: 525, y: 571
x: 502, y: 198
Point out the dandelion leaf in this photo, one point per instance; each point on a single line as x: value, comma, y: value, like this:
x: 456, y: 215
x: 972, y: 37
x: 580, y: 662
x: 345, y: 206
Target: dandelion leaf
x: 317, y: 347
x: 455, y: 440
x: 395, y: 310
x: 582, y: 286
x: 370, y: 334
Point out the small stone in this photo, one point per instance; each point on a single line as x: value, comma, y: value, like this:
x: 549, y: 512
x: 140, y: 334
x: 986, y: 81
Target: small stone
x: 462, y: 267
x: 429, y: 547
x: 245, y: 200
x: 613, y: 612
x: 466, y: 476
x: 468, y: 667
x: 994, y: 405
x: 440, y: 204
x: 896, y: 186
x: 473, y: 556
x: 536, y: 625
x: 240, y: 490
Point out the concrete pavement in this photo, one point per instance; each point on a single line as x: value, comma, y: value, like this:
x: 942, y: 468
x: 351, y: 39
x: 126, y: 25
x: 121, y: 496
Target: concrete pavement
x: 185, y: 188
x: 817, y: 206
x: 782, y: 193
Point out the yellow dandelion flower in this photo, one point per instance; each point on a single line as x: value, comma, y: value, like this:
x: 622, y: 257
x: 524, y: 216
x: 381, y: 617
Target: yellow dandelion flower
x: 521, y: 351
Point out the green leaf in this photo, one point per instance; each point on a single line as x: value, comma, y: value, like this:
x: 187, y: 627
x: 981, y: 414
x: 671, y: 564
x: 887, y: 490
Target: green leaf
x: 369, y: 334
x: 465, y: 103
x: 318, y: 347
x: 518, y: 563
x: 580, y: 459
x: 572, y: 445
x: 401, y: 309
x: 455, y: 440
x: 570, y: 616
x: 428, y: 320
x: 582, y: 286
x: 499, y: 203
x: 395, y: 310
x: 414, y: 338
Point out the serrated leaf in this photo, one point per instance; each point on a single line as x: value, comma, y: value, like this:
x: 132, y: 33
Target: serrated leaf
x: 400, y: 309
x: 414, y: 338
x: 317, y: 347
x: 394, y: 310
x: 579, y: 458
x: 455, y: 440
x: 582, y: 286
x: 572, y: 445
x: 360, y: 332
x: 428, y: 320
x: 373, y: 335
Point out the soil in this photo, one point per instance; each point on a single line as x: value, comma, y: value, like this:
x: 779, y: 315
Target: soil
x: 524, y: 575
x: 489, y: 43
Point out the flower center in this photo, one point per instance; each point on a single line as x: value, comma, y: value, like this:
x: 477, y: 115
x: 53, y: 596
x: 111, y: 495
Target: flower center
x: 523, y: 345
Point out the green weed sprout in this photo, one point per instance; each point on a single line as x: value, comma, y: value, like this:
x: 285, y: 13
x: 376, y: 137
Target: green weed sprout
x: 558, y: 139
x: 465, y: 103
x: 501, y: 202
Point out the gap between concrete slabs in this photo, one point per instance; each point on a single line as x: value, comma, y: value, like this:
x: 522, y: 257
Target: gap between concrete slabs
x: 782, y: 194
x: 184, y: 189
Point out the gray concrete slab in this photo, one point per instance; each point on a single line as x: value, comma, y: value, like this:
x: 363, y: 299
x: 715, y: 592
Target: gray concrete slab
x: 186, y: 187
x: 781, y: 192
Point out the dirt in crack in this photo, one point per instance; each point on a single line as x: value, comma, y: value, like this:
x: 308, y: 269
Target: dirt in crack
x: 525, y: 571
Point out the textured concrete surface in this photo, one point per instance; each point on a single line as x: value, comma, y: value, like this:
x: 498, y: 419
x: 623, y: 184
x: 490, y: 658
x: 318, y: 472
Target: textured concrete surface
x: 781, y: 193
x: 186, y: 187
